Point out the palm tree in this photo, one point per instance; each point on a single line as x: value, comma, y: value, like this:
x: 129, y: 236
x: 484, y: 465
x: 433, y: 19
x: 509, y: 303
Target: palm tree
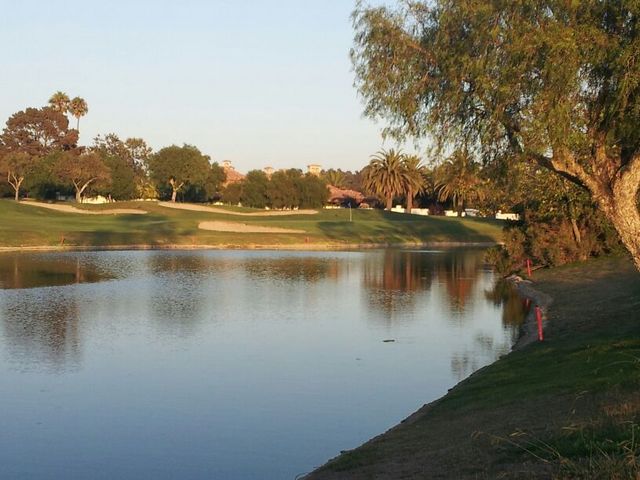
x: 414, y: 181
x: 59, y: 102
x: 384, y: 175
x: 458, y: 180
x: 78, y: 108
x: 334, y: 177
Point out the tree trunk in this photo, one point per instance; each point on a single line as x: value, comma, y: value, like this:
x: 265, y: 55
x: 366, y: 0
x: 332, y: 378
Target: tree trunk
x: 78, y: 196
x: 625, y: 217
x: 576, y: 231
x: 409, y: 200
x: 389, y: 203
x: 17, y: 189
x: 15, y: 183
x: 619, y: 203
x: 174, y: 188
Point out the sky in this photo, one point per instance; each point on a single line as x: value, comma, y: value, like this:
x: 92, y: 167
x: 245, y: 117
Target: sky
x: 257, y: 82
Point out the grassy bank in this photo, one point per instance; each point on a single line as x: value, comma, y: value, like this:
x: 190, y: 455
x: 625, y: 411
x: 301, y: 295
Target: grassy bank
x: 568, y: 407
x: 27, y: 226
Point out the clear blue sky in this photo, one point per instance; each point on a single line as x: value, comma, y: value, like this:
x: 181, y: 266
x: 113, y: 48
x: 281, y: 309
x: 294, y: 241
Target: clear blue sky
x: 258, y: 82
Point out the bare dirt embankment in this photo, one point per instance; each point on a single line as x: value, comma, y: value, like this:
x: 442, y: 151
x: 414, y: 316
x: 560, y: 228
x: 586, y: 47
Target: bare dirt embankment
x: 266, y: 213
x: 71, y: 209
x: 235, y: 227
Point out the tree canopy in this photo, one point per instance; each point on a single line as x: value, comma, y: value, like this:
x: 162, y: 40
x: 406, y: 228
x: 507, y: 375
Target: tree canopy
x: 458, y: 180
x: 546, y: 81
x: 16, y: 166
x: 81, y: 171
x: 38, y: 132
x: 176, y: 167
x: 384, y: 175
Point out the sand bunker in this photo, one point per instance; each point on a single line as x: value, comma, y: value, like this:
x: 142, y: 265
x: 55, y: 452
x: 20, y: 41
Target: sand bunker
x: 243, y: 228
x: 266, y: 213
x: 71, y: 209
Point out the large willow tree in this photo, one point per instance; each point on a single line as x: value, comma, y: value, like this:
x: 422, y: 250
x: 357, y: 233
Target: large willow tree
x: 552, y: 82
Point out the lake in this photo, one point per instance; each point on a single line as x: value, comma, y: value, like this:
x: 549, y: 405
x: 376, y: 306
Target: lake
x: 230, y: 364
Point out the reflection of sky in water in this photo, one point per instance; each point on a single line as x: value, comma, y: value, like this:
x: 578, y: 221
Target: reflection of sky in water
x: 231, y: 364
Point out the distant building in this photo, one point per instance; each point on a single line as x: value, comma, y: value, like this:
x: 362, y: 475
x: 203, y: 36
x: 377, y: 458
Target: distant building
x: 314, y: 169
x: 232, y: 175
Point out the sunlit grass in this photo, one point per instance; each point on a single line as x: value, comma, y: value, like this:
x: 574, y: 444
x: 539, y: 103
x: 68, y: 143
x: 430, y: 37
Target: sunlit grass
x: 25, y: 225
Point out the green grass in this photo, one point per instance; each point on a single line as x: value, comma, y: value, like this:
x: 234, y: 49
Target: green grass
x: 568, y: 407
x: 24, y: 225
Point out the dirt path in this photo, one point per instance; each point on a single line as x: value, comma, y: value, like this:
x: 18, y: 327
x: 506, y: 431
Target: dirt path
x: 236, y: 227
x: 71, y: 209
x: 266, y: 213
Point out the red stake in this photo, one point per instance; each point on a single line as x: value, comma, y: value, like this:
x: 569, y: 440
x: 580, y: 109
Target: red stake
x: 529, y: 267
x: 539, y: 319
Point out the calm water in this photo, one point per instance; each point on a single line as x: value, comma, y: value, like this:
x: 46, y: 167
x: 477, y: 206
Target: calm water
x: 230, y: 365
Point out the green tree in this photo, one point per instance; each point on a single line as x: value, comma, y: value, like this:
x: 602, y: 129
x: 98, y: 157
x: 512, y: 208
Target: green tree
x: 384, y: 175
x: 414, y: 182
x: 333, y: 177
x: 458, y: 180
x: 556, y: 83
x: 232, y: 193
x: 134, y: 151
x: 255, y: 189
x: 175, y: 167
x: 42, y: 183
x: 78, y: 108
x: 213, y: 184
x: 82, y: 171
x: 17, y: 166
x: 312, y: 191
x: 59, y: 102
x: 283, y: 191
x: 123, y: 184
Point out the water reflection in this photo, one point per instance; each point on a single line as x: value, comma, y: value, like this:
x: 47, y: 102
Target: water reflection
x: 271, y: 361
x: 41, y: 329
x: 459, y: 271
x: 294, y: 269
x: 38, y: 270
x: 514, y: 308
x: 392, y: 283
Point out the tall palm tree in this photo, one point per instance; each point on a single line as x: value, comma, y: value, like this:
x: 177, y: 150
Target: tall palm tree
x: 334, y: 177
x: 384, y: 175
x: 59, y: 101
x: 414, y: 181
x: 78, y: 108
x: 458, y: 180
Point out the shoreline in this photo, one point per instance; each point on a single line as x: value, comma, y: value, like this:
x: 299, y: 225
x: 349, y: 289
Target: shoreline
x: 529, y: 329
x: 538, y: 410
x: 292, y: 246
x: 528, y: 334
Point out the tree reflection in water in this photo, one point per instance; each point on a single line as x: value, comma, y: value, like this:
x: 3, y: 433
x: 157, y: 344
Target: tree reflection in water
x: 514, y: 307
x: 19, y: 270
x: 392, y: 283
x: 459, y: 270
x: 41, y: 327
x: 185, y: 292
x: 293, y: 269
